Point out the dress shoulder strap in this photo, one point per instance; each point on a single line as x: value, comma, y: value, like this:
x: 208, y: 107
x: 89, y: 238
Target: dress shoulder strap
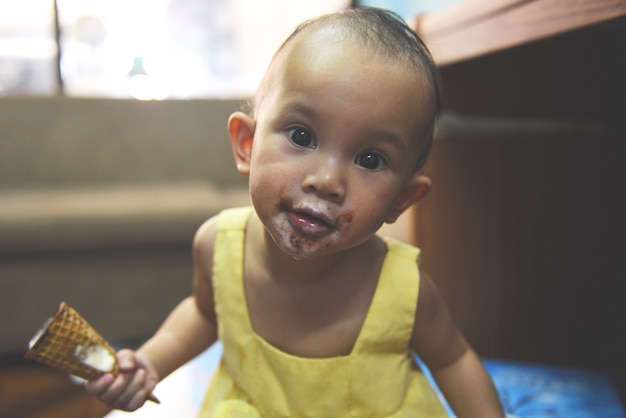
x: 228, y: 272
x: 388, y: 325
x: 234, y: 218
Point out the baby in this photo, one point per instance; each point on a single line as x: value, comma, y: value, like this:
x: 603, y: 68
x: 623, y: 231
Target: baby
x: 318, y: 315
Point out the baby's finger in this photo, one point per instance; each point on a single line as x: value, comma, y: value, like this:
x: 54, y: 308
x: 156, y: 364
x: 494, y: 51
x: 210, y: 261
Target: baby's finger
x: 115, y: 390
x: 126, y: 360
x: 98, y: 386
x: 133, y: 394
x: 140, y: 397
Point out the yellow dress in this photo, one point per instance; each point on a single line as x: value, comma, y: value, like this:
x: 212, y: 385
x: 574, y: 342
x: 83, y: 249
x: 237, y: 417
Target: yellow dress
x: 379, y: 378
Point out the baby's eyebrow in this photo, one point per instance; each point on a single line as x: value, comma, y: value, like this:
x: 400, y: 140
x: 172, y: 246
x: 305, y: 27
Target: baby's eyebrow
x: 392, y: 139
x: 301, y: 108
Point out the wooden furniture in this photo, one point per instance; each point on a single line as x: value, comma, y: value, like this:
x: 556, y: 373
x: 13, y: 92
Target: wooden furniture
x: 478, y: 27
x: 31, y: 390
x: 524, y: 228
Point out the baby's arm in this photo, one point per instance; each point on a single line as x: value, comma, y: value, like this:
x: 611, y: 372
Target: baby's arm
x: 188, y: 330
x: 455, y: 366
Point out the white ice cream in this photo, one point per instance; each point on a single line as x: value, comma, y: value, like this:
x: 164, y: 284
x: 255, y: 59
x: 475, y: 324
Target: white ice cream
x: 95, y: 356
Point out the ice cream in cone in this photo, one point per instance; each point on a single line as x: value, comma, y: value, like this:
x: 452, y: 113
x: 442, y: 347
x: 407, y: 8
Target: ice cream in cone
x: 68, y: 343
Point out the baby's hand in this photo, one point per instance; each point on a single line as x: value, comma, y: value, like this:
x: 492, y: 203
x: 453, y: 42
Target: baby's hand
x: 130, y: 389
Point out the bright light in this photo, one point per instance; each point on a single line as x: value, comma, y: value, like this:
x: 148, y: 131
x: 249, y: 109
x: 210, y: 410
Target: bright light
x: 144, y: 87
x: 190, y: 48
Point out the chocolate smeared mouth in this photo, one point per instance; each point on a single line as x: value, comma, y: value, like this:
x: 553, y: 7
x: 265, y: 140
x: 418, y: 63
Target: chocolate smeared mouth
x: 313, y: 218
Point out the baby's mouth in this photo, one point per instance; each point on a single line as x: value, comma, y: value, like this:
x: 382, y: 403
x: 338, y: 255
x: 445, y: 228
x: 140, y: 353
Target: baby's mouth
x: 309, y: 224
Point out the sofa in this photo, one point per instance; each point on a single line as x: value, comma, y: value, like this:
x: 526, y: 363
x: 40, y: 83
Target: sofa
x: 99, y: 202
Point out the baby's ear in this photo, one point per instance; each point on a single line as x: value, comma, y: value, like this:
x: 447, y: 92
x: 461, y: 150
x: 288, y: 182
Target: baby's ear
x: 415, y: 190
x: 241, y: 132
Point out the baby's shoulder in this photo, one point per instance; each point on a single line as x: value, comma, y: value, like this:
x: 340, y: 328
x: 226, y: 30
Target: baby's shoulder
x: 204, y: 238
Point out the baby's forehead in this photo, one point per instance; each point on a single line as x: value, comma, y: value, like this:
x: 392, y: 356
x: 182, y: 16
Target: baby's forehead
x: 322, y: 37
x: 318, y: 70
x: 337, y: 46
x: 330, y: 48
x: 316, y: 45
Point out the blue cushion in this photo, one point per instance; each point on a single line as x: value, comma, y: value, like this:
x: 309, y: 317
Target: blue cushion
x: 539, y: 391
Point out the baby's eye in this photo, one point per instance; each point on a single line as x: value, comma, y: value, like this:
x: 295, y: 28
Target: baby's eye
x: 301, y: 137
x: 370, y: 161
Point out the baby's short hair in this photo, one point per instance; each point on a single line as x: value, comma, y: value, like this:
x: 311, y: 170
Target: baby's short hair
x: 388, y: 35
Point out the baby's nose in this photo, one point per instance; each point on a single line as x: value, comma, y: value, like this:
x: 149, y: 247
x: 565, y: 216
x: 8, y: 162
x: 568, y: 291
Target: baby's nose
x: 326, y: 180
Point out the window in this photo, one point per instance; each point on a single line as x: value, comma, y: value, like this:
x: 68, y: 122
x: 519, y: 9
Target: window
x: 28, y: 48
x: 146, y: 49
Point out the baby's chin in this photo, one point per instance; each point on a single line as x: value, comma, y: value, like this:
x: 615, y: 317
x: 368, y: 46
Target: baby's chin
x: 298, y: 248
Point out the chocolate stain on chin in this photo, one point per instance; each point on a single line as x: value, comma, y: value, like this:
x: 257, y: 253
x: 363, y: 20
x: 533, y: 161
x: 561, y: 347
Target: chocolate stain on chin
x: 295, y: 243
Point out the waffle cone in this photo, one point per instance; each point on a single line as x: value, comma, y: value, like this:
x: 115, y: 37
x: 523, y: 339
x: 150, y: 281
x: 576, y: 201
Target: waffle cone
x: 66, y: 340
x: 63, y: 342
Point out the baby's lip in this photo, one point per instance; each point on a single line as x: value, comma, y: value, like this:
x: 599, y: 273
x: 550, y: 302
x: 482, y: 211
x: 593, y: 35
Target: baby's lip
x: 309, y: 225
x: 311, y: 220
x: 315, y: 214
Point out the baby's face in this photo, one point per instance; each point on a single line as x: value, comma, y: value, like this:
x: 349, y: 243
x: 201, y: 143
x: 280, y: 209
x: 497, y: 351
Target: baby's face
x: 335, y: 144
